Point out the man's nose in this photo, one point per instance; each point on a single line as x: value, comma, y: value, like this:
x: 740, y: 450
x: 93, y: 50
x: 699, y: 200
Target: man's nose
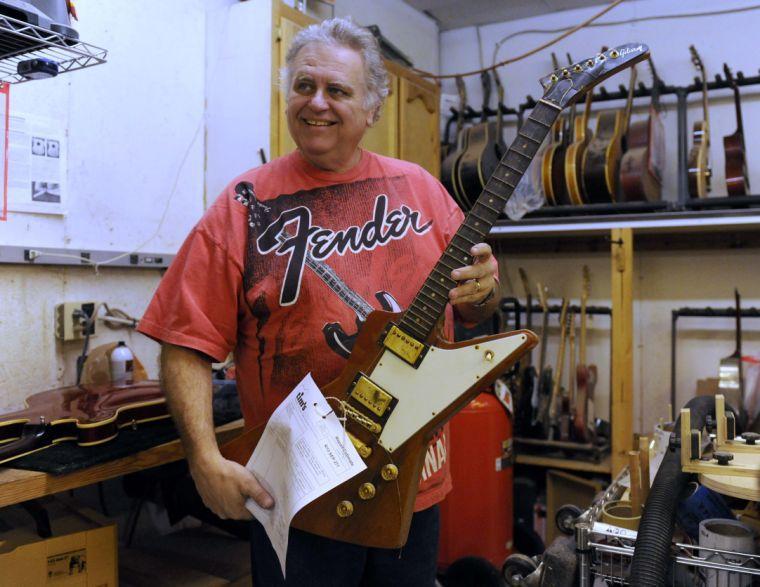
x: 318, y: 101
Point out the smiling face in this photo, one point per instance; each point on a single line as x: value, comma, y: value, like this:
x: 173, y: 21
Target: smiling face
x: 326, y: 114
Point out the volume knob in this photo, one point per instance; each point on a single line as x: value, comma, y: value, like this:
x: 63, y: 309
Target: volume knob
x: 389, y: 472
x: 345, y: 509
x: 367, y: 491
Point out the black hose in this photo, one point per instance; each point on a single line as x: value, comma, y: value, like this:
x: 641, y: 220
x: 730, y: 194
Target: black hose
x: 652, y: 553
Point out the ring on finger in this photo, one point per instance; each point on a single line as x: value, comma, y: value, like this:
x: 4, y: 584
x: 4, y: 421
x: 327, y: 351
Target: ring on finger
x: 477, y: 285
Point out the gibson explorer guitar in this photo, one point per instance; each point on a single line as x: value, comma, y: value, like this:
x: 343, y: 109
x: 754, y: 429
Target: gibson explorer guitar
x: 402, y: 380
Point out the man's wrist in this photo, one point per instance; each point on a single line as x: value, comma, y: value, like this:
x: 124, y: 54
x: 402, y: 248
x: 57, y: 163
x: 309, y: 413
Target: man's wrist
x: 491, y: 295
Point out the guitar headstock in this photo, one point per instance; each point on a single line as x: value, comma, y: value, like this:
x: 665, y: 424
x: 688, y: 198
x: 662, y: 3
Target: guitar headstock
x: 697, y: 61
x: 543, y: 296
x: 729, y: 75
x: 565, y: 86
x: 524, y: 279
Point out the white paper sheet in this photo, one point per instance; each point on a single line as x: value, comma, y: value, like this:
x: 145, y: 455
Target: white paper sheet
x: 302, y: 454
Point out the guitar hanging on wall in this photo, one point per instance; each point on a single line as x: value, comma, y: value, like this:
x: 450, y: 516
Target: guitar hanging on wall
x: 402, y: 380
x: 737, y: 179
x: 699, y: 155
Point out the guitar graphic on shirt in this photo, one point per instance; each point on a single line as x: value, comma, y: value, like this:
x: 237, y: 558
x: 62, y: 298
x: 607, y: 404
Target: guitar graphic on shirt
x: 336, y: 337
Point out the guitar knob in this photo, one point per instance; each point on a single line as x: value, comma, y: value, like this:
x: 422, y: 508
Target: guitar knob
x: 367, y: 491
x: 345, y: 509
x: 389, y: 472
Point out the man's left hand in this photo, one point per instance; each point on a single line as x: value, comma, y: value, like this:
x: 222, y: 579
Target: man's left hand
x: 476, y: 281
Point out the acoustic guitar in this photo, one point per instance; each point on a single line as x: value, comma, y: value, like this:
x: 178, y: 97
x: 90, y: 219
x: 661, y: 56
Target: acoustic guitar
x: 601, y: 161
x: 574, y: 156
x: 585, y: 375
x: 699, y: 155
x: 449, y: 166
x: 479, y: 158
x: 403, y: 381
x: 552, y: 172
x: 643, y: 162
x: 737, y: 179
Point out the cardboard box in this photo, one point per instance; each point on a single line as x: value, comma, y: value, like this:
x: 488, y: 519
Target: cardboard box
x: 82, y: 550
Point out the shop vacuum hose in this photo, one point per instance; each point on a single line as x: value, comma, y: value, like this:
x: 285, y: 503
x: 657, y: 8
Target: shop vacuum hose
x: 653, y: 543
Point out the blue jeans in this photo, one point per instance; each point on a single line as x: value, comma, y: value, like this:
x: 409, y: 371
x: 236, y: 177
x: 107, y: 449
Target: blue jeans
x: 318, y: 561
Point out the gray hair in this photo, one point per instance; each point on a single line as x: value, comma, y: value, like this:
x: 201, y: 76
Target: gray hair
x: 346, y: 33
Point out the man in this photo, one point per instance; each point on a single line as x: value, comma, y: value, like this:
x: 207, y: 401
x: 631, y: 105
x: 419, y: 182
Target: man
x: 281, y: 273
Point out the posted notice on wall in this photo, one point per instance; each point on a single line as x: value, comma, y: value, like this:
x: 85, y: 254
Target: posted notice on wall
x: 36, y: 164
x: 303, y: 454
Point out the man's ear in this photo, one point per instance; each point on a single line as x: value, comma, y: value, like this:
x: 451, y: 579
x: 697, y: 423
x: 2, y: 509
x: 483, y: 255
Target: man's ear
x: 371, y: 117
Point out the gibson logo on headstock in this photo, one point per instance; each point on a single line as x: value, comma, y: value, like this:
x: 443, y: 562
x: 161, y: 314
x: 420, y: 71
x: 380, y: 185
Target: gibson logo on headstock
x: 628, y: 50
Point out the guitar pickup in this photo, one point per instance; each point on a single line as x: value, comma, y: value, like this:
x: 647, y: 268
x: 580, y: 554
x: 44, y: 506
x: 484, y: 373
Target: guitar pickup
x: 371, y: 396
x: 404, y: 346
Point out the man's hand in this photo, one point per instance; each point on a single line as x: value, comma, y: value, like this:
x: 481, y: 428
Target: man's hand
x: 225, y: 486
x: 477, y: 281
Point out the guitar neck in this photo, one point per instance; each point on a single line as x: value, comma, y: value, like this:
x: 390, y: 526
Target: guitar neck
x: 430, y: 302
x: 738, y: 104
x: 582, y: 346
x: 705, y: 112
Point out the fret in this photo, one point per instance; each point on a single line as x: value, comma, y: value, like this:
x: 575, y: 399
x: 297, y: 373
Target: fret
x: 472, y: 213
x: 515, y: 150
x: 466, y: 252
x: 464, y: 238
x: 494, y: 194
x: 420, y: 316
x: 434, y: 304
x: 444, y: 275
x: 440, y: 262
x: 500, y: 180
x: 528, y: 137
x: 434, y: 301
x: 479, y: 234
x: 494, y: 210
x: 518, y: 172
x: 412, y: 328
x: 444, y: 291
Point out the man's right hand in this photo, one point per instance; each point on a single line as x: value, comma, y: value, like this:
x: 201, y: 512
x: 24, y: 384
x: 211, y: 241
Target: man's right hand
x: 225, y: 486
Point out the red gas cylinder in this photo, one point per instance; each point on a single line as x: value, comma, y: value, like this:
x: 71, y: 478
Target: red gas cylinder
x: 476, y: 516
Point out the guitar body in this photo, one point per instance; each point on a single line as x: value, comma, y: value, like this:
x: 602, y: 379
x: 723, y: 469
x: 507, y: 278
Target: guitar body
x: 448, y: 378
x: 448, y: 165
x: 552, y: 174
x: 574, y: 164
x: 698, y: 162
x: 737, y: 179
x: 580, y: 425
x: 640, y: 167
x: 601, y: 160
x: 478, y: 161
x: 86, y: 414
x: 456, y: 178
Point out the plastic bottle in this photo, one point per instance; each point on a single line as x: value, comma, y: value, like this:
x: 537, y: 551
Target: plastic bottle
x: 122, y: 365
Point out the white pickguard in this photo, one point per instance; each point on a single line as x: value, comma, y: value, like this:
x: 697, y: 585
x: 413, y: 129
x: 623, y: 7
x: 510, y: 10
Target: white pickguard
x: 443, y: 375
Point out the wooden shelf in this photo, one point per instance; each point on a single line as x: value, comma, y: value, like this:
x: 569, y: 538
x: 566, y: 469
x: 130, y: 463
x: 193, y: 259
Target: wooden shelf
x: 603, y: 466
x: 17, y: 485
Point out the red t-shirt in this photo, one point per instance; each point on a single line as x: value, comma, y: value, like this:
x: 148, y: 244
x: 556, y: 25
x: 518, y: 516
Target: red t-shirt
x: 285, y: 280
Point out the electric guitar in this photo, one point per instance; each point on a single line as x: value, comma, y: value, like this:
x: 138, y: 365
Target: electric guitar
x: 543, y: 391
x: 737, y: 179
x: 528, y: 376
x: 568, y: 399
x: 585, y: 375
x: 403, y: 380
x: 552, y: 424
x: 699, y: 155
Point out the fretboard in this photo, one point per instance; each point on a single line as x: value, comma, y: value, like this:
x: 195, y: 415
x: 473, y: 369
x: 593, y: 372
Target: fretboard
x: 428, y: 306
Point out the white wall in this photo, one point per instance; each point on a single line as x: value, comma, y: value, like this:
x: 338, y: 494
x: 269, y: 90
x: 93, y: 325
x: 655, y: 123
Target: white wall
x: 180, y: 76
x: 665, y: 279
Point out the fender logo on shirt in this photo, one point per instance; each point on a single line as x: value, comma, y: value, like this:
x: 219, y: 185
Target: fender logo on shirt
x: 323, y: 242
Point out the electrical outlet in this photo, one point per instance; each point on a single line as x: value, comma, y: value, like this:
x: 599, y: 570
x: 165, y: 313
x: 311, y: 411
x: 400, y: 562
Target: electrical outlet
x: 71, y: 318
